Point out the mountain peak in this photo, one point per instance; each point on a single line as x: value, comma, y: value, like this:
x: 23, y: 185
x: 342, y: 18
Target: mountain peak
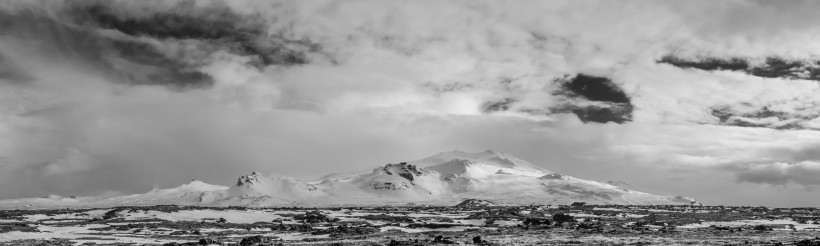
x: 454, y: 166
x: 450, y: 161
x: 195, y: 181
x: 456, y: 154
x: 485, y: 154
x: 257, y: 177
x: 247, y: 179
x: 257, y: 184
x: 198, y: 185
x: 491, y: 152
x: 407, y: 171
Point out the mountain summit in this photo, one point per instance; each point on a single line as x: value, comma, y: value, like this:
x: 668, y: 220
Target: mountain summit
x: 445, y: 178
x: 479, y: 165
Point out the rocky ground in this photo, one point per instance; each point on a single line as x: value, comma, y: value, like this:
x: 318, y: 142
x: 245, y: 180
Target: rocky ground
x: 472, y: 222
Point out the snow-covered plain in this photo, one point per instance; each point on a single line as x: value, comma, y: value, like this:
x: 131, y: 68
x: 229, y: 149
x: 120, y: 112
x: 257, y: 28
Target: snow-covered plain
x: 231, y: 216
x: 784, y: 224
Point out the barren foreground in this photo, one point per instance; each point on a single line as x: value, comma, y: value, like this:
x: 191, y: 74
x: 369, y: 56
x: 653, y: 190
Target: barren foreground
x: 469, y: 223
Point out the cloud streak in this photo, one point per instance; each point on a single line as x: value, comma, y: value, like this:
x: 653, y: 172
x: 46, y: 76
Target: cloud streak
x: 781, y: 174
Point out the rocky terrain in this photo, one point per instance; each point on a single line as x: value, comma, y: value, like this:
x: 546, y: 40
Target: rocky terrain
x: 473, y: 222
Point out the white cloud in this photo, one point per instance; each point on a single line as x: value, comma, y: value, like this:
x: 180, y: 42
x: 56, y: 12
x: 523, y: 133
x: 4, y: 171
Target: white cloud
x: 779, y: 173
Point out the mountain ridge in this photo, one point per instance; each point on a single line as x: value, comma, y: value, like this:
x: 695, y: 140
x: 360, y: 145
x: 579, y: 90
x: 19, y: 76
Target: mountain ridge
x: 445, y: 178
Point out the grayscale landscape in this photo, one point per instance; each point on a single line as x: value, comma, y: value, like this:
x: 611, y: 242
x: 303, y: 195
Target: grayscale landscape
x: 426, y: 122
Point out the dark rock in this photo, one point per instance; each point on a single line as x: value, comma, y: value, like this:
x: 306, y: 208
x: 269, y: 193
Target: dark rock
x: 345, y: 229
x: 258, y: 241
x: 477, y: 240
x: 394, y: 242
x: 808, y: 242
x: 315, y: 216
x: 208, y: 241
x: 432, y: 225
x: 762, y: 228
x: 561, y: 218
x: 443, y: 240
x: 21, y: 227
x: 537, y: 222
x: 404, y: 170
x: 111, y: 214
x: 291, y: 227
x: 183, y: 244
x: 39, y: 242
x: 473, y: 203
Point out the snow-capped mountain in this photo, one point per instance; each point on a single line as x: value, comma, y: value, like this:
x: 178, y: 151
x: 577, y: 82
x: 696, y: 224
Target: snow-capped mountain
x: 259, y: 185
x: 445, y: 178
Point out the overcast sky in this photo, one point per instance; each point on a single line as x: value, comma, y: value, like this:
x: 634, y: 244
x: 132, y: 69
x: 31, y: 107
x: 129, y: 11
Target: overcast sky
x: 124, y: 96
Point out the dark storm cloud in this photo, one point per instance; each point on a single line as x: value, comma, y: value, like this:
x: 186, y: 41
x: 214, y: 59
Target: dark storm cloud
x: 772, y: 67
x: 593, y: 88
x: 590, y: 98
x: 611, y: 104
x: 161, y: 48
x: 245, y: 35
x: 500, y: 105
x: 600, y: 114
x: 126, y: 60
x: 792, y: 112
x: 764, y: 117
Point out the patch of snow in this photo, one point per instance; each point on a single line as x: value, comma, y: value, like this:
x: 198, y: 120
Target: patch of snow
x: 739, y: 223
x: 232, y: 216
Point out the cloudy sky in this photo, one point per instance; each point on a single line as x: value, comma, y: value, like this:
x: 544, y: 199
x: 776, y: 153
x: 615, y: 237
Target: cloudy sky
x: 716, y: 100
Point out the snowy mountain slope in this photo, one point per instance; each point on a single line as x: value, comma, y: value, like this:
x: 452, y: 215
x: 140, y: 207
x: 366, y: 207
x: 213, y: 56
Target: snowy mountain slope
x: 276, y: 186
x: 194, y: 192
x: 621, y: 184
x: 445, y: 178
x: 454, y: 161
